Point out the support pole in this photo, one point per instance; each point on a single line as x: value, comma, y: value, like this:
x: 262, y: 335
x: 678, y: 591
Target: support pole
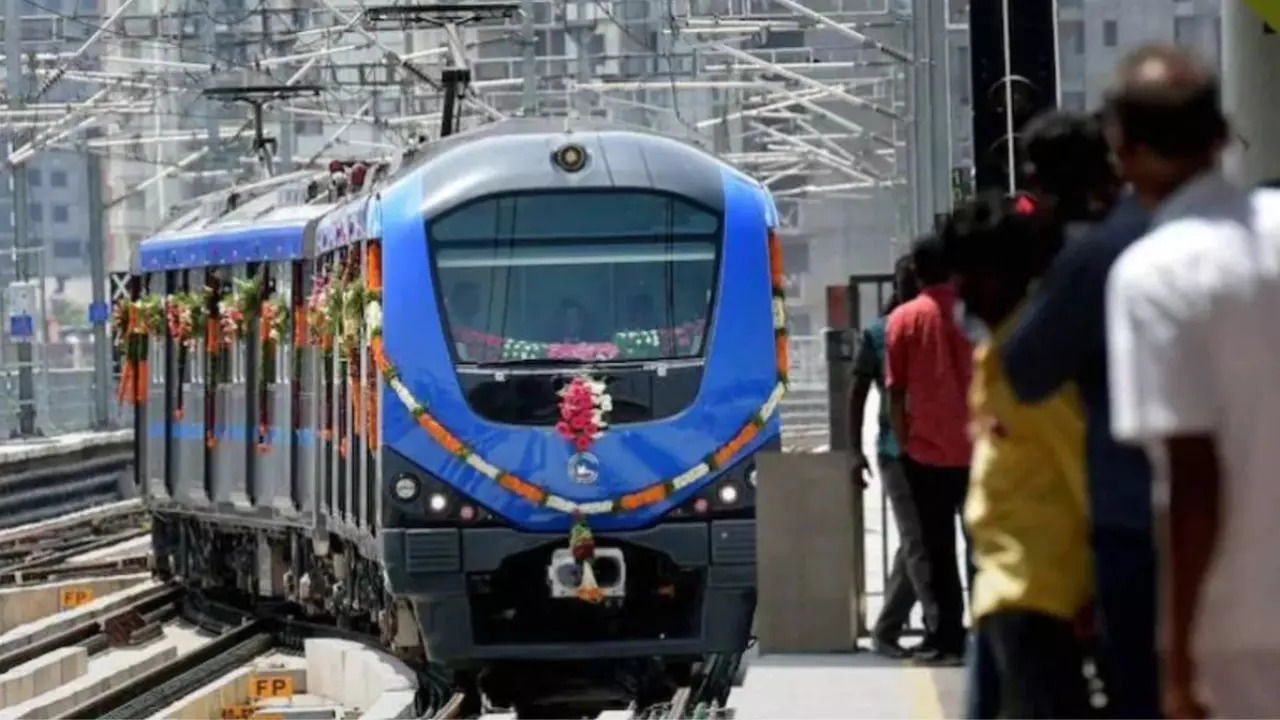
x: 582, y: 30
x: 98, y: 278
x: 16, y: 87
x: 529, y: 63
x: 1250, y: 61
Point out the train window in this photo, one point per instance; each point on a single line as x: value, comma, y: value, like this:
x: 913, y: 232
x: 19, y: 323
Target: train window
x: 592, y: 276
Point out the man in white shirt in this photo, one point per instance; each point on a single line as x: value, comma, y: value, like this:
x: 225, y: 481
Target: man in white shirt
x: 1193, y: 328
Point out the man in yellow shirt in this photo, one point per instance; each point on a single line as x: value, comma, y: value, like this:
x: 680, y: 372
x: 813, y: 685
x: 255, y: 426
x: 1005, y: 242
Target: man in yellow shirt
x: 1025, y: 510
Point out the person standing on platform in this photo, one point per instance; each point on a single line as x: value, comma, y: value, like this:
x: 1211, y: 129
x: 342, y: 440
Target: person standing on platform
x: 1193, y: 344
x: 928, y: 362
x: 909, y: 561
x: 1059, y: 338
x: 1026, y: 510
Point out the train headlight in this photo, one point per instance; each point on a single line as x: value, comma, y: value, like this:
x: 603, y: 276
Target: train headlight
x: 405, y: 488
x: 437, y: 502
x: 728, y: 494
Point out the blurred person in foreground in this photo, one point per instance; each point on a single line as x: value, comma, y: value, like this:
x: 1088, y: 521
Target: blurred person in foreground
x: 1026, y: 510
x: 1194, y: 352
x: 1059, y: 339
x: 928, y: 362
x: 909, y: 562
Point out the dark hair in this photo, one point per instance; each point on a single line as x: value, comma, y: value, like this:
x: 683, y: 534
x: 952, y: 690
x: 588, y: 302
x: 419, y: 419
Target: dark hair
x: 1067, y: 153
x: 1177, y: 113
x: 928, y: 260
x: 988, y: 235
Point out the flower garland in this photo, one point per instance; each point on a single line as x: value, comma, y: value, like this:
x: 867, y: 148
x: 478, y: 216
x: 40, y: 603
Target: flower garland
x: 584, y: 402
x: 234, y: 311
x: 352, y: 311
x: 184, y: 313
x: 654, y: 493
x: 120, y: 322
x: 582, y: 544
x: 273, y: 319
x: 523, y: 350
x: 151, y: 315
x: 317, y: 308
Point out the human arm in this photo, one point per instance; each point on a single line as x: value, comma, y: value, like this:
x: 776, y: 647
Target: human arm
x: 866, y: 369
x: 1187, y: 517
x: 1057, y: 330
x: 896, y: 359
x: 1162, y: 397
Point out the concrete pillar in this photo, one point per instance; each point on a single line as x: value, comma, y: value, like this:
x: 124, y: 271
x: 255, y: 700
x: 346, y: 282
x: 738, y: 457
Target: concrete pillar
x: 1250, y: 65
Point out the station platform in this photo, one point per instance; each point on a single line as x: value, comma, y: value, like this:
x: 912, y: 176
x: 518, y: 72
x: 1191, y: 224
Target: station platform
x: 852, y: 685
x: 28, y: 449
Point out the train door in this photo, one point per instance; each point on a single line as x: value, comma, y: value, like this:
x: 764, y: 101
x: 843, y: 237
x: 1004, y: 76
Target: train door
x: 271, y: 395
x: 312, y: 441
x: 151, y: 388
x: 194, y: 428
x: 231, y: 404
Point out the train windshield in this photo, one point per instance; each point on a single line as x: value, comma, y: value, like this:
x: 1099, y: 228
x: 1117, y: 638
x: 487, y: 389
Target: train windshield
x: 584, y: 276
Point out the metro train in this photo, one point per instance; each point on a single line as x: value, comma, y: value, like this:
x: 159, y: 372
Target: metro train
x: 499, y: 407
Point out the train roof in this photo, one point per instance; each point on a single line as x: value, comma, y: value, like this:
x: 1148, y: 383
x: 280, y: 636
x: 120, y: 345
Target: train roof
x: 456, y: 169
x: 515, y: 155
x: 279, y: 234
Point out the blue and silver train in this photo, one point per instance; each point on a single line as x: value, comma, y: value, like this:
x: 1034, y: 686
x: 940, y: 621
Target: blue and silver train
x: 500, y: 407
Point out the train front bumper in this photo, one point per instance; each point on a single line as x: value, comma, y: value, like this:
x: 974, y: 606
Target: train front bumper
x: 432, y: 566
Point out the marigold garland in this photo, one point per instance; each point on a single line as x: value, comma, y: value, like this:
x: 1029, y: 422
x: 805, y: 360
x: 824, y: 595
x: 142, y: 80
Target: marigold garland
x: 655, y: 493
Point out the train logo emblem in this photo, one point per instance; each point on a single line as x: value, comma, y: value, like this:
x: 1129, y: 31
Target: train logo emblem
x: 584, y: 468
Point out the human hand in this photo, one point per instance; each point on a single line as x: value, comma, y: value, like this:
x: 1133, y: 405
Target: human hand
x: 860, y: 470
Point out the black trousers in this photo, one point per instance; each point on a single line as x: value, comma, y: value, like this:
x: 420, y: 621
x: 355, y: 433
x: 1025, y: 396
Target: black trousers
x: 1124, y: 566
x: 910, y: 563
x: 938, y: 494
x: 1039, y: 665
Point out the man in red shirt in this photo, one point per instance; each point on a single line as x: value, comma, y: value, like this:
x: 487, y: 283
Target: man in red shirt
x: 928, y: 363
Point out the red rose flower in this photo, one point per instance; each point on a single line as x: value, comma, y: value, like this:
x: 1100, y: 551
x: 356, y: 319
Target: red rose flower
x: 582, y: 443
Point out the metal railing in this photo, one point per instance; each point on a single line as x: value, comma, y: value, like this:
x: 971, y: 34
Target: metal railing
x: 64, y: 402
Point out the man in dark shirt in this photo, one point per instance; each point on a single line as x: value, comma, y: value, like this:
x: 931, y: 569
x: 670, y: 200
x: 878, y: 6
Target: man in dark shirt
x: 1060, y: 338
x: 909, y: 562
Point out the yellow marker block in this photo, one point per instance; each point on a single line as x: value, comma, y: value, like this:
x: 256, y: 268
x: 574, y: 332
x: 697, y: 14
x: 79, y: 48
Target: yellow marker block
x: 270, y: 685
x: 75, y: 597
x: 237, y: 712
x: 1268, y: 10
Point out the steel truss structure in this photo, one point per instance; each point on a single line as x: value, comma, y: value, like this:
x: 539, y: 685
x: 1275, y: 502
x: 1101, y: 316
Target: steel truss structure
x: 833, y: 104
x: 812, y: 100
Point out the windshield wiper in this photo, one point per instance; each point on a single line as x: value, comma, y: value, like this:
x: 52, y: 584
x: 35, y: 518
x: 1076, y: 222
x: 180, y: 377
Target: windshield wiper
x: 531, y: 362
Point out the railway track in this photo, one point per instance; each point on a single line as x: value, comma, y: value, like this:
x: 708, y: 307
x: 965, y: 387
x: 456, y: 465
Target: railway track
x: 141, y: 620
x: 40, y: 547
x: 74, y: 571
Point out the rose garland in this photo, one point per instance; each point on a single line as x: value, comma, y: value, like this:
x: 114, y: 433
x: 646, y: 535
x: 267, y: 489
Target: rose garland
x: 235, y: 310
x: 273, y: 320
x: 184, y: 313
x: 317, y: 307
x: 584, y: 402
